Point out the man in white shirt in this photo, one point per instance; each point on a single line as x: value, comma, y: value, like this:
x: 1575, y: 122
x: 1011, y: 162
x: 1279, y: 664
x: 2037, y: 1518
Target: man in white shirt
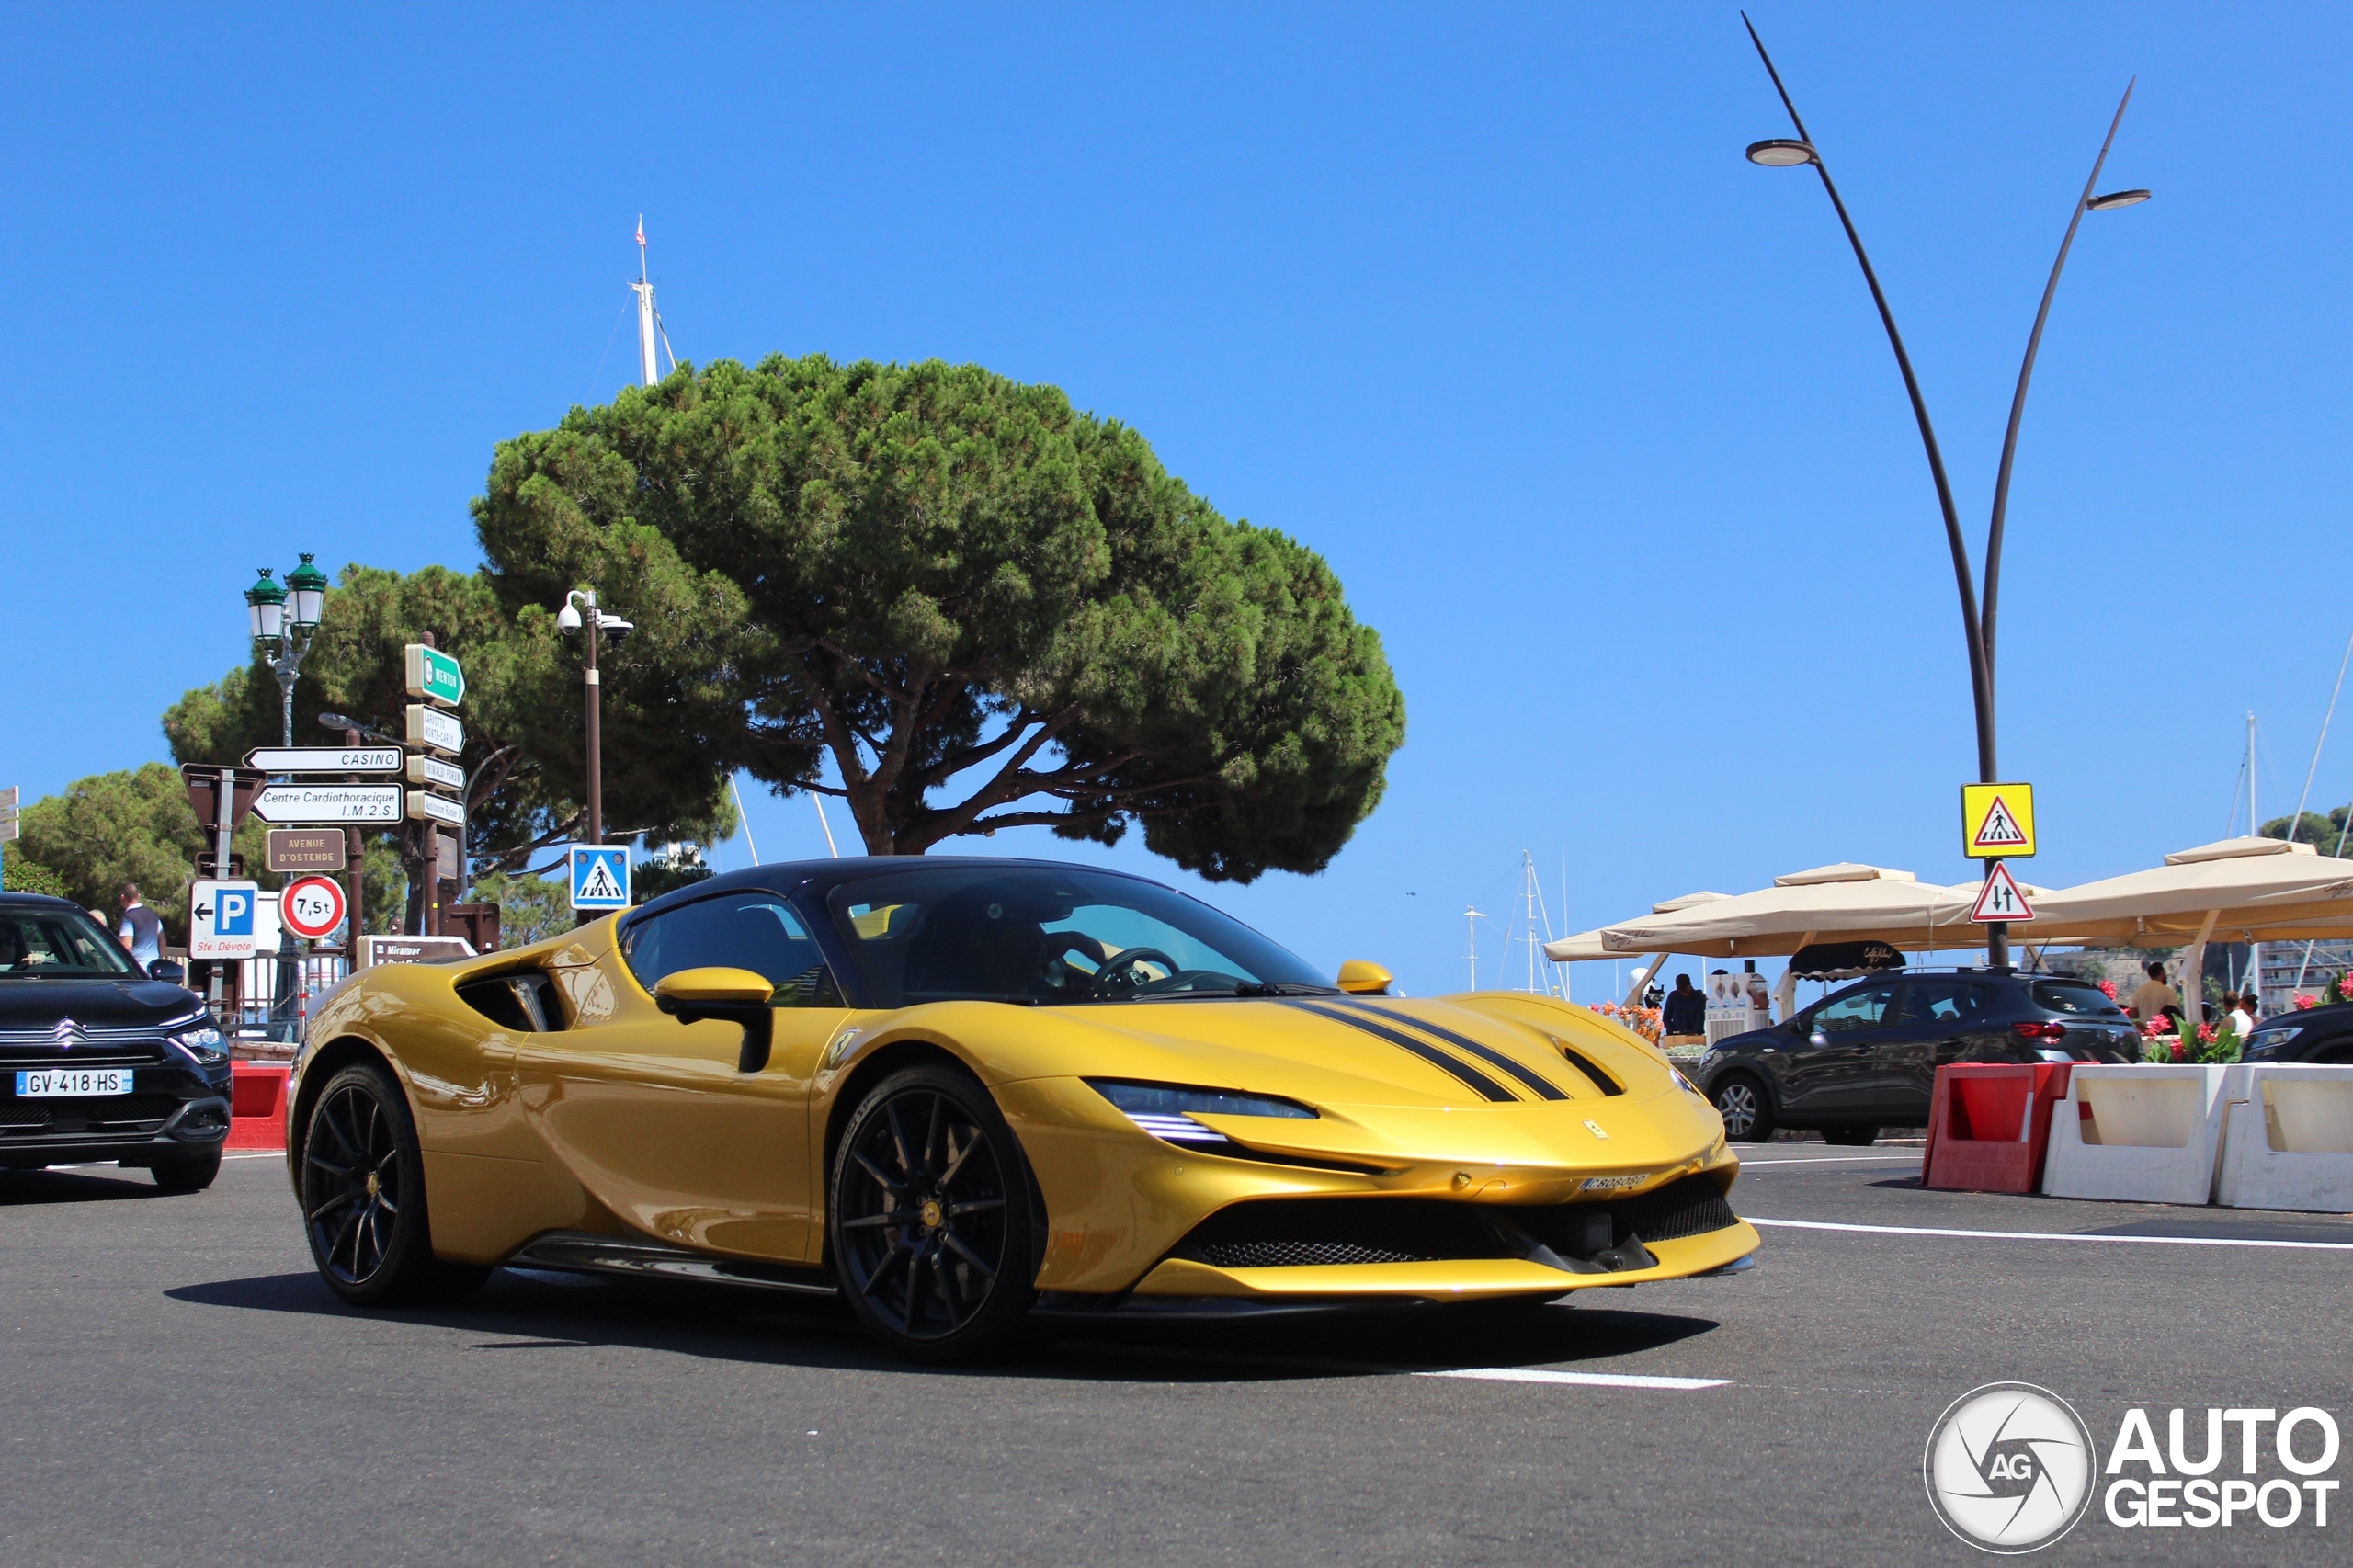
x: 141, y: 931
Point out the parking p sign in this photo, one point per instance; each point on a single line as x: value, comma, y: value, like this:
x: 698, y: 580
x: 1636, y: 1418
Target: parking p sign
x: 600, y: 876
x: 220, y: 920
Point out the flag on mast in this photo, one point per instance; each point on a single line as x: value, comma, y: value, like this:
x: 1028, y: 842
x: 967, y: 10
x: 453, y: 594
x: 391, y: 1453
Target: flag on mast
x: 641, y: 230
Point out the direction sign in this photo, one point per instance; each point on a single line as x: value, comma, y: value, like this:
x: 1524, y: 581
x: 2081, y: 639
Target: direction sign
x: 374, y: 950
x: 423, y: 807
x: 431, y: 727
x: 433, y: 675
x: 221, y: 919
x: 1998, y: 821
x: 305, y: 849
x: 329, y: 802
x: 599, y: 876
x: 312, y: 907
x: 431, y: 770
x: 325, y: 759
x: 2002, y: 900
x: 7, y: 813
x: 203, y: 781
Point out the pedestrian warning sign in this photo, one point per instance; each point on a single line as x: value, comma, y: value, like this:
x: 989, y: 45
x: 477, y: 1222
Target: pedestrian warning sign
x: 2002, y: 900
x: 1998, y: 821
x: 599, y: 876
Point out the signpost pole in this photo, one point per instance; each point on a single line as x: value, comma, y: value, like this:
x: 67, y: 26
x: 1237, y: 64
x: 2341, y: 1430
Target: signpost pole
x: 596, y: 740
x: 354, y: 852
x: 1997, y: 932
x: 224, y: 811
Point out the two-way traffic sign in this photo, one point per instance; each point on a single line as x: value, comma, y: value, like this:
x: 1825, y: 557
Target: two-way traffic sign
x: 2001, y: 901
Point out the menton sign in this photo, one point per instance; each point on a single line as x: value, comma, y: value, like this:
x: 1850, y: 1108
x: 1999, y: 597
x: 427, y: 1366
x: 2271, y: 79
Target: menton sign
x: 434, y: 676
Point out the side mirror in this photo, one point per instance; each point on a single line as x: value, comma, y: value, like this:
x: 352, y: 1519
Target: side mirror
x: 164, y: 969
x: 1359, y: 977
x: 731, y: 996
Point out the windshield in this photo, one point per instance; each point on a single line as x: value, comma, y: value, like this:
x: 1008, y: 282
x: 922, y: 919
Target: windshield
x: 61, y: 944
x: 1049, y: 935
x: 2074, y: 996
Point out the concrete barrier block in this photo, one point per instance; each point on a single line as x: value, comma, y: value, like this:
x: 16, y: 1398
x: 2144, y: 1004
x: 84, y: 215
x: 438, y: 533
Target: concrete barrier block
x: 2141, y: 1134
x: 2289, y: 1140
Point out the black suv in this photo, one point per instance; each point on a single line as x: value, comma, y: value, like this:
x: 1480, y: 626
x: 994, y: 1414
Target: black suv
x: 2316, y: 1034
x: 1865, y: 1057
x: 99, y: 1061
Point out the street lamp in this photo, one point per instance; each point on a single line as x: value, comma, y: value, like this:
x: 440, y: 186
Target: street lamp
x: 1977, y: 628
x: 568, y: 618
x: 285, y: 617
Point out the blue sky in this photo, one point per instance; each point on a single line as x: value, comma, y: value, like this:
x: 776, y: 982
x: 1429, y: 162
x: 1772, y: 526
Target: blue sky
x: 1592, y: 417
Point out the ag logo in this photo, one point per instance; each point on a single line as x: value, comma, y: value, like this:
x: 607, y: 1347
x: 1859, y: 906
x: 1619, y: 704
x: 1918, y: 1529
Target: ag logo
x: 2009, y: 1468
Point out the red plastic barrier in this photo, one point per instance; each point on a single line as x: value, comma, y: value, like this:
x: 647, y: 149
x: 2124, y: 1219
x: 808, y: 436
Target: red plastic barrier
x: 1989, y: 1124
x: 257, y: 1105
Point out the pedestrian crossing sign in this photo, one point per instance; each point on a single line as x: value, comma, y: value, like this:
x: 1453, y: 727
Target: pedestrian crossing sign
x: 600, y: 876
x: 1998, y: 821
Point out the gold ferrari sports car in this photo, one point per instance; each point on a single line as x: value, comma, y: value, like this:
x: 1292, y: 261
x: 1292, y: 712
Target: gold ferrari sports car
x: 961, y: 1093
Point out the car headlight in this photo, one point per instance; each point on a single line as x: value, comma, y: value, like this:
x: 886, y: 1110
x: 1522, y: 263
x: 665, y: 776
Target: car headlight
x: 1166, y: 1110
x: 203, y: 1044
x: 2265, y: 1042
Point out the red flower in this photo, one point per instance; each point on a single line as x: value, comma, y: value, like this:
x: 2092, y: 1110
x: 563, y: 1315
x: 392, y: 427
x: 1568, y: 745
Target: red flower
x: 2303, y: 1001
x: 2108, y: 988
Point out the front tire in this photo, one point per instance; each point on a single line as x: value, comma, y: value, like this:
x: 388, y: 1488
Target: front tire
x: 363, y: 1197
x: 187, y: 1173
x: 929, y: 1218
x: 1746, y: 1108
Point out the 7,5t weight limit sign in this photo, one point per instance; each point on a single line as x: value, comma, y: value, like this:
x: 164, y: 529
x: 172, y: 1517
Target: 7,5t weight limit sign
x: 311, y: 908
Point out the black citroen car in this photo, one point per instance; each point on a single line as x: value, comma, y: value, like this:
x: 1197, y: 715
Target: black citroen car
x: 1865, y: 1057
x: 99, y: 1061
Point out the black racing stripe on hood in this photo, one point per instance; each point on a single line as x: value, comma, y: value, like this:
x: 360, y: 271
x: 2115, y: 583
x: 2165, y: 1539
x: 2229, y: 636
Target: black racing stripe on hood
x: 1478, y: 1081
x: 1542, y: 1087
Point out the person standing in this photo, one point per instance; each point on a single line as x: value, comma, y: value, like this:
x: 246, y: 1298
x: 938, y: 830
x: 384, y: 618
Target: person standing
x: 2154, y: 996
x: 1686, y: 1009
x: 2241, y: 1017
x: 141, y: 931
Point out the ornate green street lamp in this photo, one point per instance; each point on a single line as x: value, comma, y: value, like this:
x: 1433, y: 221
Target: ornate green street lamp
x: 285, y: 618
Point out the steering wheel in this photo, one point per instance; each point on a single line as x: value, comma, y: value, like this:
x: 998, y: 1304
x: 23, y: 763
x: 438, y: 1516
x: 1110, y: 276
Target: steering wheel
x: 1121, y: 963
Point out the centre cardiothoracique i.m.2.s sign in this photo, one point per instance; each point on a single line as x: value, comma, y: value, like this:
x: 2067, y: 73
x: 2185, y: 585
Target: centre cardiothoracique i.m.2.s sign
x: 2011, y: 1468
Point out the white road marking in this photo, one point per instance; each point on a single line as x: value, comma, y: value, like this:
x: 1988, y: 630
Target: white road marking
x: 1832, y: 1160
x: 2054, y: 1235
x: 1590, y: 1379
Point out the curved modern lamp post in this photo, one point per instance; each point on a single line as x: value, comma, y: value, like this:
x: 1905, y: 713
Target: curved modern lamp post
x: 285, y: 617
x: 1977, y: 624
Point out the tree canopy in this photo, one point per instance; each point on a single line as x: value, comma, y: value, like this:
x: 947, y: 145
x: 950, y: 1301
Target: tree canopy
x: 987, y: 608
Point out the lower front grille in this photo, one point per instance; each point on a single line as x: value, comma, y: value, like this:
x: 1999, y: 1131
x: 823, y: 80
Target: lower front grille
x: 110, y: 1113
x: 1291, y: 1232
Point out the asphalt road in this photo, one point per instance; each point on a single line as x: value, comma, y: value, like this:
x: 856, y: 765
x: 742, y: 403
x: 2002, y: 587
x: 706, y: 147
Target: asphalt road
x: 180, y: 1391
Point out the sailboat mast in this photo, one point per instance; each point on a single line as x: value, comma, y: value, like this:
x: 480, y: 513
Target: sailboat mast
x: 644, y: 290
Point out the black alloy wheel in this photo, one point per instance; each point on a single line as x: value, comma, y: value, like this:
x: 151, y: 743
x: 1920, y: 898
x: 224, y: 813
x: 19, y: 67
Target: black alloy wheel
x: 363, y: 1197
x: 929, y: 1216
x: 1746, y: 1108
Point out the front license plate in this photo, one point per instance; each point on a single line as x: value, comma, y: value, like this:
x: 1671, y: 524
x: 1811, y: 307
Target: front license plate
x: 73, y: 1083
